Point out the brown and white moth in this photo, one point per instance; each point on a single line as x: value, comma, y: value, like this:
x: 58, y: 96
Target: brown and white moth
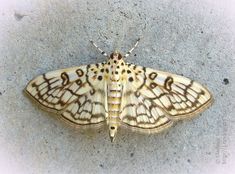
x: 119, y: 94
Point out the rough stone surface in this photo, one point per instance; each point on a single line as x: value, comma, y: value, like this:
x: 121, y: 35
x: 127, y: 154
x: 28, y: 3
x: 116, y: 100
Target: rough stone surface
x: 193, y: 38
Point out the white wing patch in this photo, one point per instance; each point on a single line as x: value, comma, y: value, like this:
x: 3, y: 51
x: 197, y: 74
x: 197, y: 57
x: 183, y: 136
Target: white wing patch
x: 75, y: 93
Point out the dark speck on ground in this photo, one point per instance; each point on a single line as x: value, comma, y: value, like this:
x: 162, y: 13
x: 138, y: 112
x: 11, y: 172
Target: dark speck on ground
x: 225, y: 81
x: 18, y: 16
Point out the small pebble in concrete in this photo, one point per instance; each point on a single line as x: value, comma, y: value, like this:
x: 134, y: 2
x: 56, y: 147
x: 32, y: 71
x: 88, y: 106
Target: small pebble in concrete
x: 225, y: 81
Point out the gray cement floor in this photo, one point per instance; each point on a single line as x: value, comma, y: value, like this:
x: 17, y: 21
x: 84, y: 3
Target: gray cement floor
x: 193, y: 38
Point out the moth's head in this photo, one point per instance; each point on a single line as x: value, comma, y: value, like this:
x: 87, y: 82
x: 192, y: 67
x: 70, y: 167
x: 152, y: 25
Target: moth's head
x: 116, y: 56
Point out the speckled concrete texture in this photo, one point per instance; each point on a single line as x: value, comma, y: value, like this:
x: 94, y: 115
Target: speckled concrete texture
x: 193, y: 38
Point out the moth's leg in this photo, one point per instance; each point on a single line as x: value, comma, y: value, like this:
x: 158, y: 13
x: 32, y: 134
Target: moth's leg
x: 100, y: 50
x: 129, y: 52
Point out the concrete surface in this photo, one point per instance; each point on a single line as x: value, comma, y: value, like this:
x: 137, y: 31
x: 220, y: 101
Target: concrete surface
x: 193, y: 38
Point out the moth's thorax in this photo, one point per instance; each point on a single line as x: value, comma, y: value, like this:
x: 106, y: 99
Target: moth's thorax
x: 116, y: 65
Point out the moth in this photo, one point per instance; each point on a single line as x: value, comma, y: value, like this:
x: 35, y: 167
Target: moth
x: 119, y: 94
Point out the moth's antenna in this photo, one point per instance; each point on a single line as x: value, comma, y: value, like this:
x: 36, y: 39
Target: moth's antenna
x: 100, y: 50
x: 129, y: 52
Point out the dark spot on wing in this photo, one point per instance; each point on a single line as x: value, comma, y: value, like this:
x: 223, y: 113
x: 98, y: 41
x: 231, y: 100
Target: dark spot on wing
x: 152, y: 75
x: 119, y: 56
x: 153, y: 85
x: 100, y: 77
x: 79, y: 72
x: 130, y: 79
x: 168, y: 82
x: 65, y: 78
x: 111, y: 56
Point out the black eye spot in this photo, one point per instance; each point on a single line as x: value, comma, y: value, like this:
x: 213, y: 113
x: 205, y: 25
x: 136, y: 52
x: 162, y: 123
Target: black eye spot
x: 118, y: 67
x: 102, y: 70
x: 95, y: 72
x: 111, y: 56
x: 119, y: 56
x: 100, y: 77
x: 130, y: 79
x: 116, y: 72
x: 112, y: 127
x: 123, y: 71
x: 109, y: 63
x: 92, y: 69
x: 114, y: 61
x: 128, y: 71
x: 107, y: 70
x: 122, y: 64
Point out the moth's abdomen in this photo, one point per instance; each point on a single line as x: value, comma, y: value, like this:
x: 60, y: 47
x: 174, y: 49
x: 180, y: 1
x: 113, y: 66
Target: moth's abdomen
x: 114, y: 101
x: 114, y: 104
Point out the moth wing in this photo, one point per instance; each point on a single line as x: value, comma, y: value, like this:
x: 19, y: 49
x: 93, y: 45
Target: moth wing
x: 142, y: 114
x: 163, y: 95
x: 74, y: 93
